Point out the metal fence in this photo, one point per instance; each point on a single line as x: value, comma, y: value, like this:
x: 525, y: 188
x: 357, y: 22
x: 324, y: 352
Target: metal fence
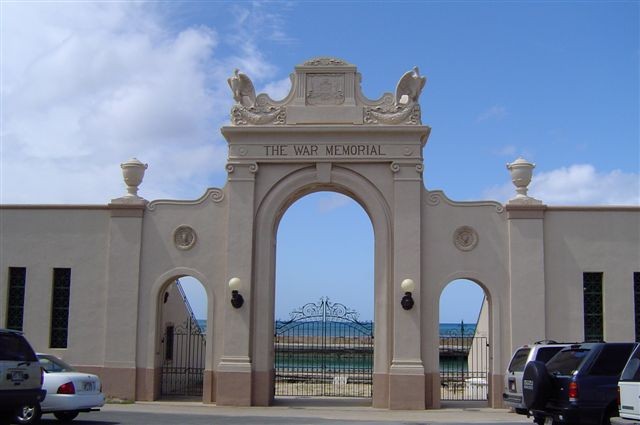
x: 464, y: 366
x: 323, y: 350
x: 183, y: 349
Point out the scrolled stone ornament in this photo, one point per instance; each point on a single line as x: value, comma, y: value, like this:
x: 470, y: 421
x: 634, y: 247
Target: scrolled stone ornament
x: 249, y: 109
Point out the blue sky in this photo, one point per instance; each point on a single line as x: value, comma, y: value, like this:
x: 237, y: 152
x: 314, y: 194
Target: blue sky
x: 87, y: 85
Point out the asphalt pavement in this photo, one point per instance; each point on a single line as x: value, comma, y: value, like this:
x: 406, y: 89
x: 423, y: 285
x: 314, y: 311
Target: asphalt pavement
x: 294, y: 411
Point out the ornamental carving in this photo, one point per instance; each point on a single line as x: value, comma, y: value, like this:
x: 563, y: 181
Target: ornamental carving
x: 336, y: 88
x: 465, y: 238
x: 325, y: 89
x: 184, y: 237
x: 325, y: 62
x: 241, y: 115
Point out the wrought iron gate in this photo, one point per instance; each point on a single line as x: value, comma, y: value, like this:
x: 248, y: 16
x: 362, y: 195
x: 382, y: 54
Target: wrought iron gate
x: 464, y: 365
x: 323, y: 350
x: 183, y: 350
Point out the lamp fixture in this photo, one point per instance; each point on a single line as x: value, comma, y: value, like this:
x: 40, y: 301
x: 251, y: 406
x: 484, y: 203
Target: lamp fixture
x: 236, y: 298
x: 407, y: 285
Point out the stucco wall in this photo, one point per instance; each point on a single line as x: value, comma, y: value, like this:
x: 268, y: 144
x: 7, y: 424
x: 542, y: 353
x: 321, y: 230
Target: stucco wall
x: 486, y: 264
x: 40, y: 239
x: 162, y: 262
x: 591, y: 240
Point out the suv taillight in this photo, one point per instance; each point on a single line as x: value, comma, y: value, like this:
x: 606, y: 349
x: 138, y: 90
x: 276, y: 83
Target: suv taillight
x: 619, y: 403
x: 573, y: 391
x: 67, y: 388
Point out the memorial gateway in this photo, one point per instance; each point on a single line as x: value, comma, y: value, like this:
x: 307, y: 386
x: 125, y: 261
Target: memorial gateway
x: 93, y: 283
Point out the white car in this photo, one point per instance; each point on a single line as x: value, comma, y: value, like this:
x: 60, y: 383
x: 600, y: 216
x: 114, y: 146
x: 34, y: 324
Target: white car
x: 629, y: 391
x: 69, y: 392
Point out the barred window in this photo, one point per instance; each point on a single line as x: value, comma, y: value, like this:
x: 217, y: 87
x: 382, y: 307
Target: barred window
x: 60, y: 308
x: 593, y: 318
x: 15, y: 297
x: 636, y: 297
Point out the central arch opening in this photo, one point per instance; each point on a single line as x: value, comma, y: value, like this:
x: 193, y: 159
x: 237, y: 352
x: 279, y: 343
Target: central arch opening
x: 324, y: 299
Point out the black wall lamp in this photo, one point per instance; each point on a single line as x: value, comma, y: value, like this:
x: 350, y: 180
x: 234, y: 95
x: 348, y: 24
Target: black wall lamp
x: 236, y: 298
x: 407, y: 285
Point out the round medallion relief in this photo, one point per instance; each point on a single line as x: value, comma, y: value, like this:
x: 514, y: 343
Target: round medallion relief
x: 184, y: 237
x: 465, y: 238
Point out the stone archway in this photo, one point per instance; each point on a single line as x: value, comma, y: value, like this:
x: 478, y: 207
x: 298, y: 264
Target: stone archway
x: 324, y: 136
x: 269, y: 214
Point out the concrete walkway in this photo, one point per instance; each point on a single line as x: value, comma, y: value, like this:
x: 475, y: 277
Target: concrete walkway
x: 331, y: 409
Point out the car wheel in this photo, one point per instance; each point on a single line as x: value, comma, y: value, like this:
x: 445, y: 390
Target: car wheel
x: 66, y: 416
x: 612, y: 411
x: 536, y: 385
x: 27, y: 415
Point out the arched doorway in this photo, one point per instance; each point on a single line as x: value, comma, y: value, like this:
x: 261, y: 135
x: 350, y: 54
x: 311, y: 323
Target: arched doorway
x: 283, y: 194
x: 324, y: 299
x: 182, y: 326
x: 464, y: 358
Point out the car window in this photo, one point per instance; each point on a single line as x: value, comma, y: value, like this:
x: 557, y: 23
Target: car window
x: 631, y: 371
x: 545, y: 353
x: 566, y: 362
x: 611, y: 360
x: 53, y: 364
x: 15, y: 348
x: 519, y: 360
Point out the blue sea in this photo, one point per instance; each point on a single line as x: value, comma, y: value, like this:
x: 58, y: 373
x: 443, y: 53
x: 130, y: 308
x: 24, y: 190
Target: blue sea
x: 446, y: 329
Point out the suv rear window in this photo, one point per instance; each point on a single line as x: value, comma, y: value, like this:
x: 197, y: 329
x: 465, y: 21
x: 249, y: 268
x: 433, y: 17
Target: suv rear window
x: 14, y: 347
x: 519, y: 360
x: 567, y: 361
x: 545, y: 353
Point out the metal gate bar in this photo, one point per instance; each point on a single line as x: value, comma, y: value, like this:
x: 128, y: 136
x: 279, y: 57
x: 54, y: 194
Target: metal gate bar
x: 183, y: 366
x: 323, y: 350
x: 464, y: 367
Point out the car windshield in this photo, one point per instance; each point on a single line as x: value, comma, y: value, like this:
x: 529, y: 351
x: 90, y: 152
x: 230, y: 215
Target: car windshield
x: 567, y: 362
x: 15, y: 348
x: 519, y: 360
x: 53, y: 364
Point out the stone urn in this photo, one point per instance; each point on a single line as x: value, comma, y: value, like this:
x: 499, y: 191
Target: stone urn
x: 133, y: 173
x: 521, y: 172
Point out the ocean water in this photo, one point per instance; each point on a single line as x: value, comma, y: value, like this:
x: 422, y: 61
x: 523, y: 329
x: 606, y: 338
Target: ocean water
x: 446, y: 329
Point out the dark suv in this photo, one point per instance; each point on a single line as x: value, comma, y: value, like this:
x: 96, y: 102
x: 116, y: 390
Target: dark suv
x: 20, y: 374
x: 578, y: 385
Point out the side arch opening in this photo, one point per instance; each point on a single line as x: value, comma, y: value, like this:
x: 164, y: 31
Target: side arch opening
x: 464, y: 342
x: 182, y: 327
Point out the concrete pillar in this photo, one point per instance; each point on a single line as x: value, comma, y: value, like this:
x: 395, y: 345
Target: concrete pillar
x: 123, y: 277
x: 234, y: 372
x: 406, y: 375
x: 526, y: 272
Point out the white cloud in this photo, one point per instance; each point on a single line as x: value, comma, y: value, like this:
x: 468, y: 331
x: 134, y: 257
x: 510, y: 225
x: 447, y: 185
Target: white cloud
x: 87, y: 85
x: 579, y: 184
x: 278, y: 90
x: 496, y: 112
x: 332, y: 201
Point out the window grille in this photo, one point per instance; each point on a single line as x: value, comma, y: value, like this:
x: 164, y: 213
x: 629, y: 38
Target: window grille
x: 636, y: 297
x: 60, y: 308
x: 15, y: 297
x: 593, y: 318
